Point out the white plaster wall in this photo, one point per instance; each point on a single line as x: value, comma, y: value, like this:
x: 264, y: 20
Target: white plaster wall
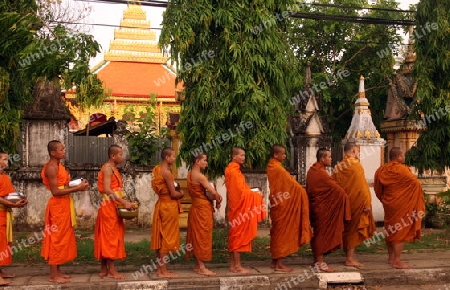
x: 370, y: 157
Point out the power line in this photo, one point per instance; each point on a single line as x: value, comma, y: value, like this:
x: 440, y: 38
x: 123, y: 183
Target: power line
x: 357, y: 7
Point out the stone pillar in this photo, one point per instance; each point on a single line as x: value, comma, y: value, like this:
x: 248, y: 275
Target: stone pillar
x: 45, y: 119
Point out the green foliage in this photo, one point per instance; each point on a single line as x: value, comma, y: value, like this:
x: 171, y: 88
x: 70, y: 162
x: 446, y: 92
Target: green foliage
x: 231, y: 76
x: 333, y: 47
x: 27, y: 56
x: 143, y: 139
x: 432, y: 150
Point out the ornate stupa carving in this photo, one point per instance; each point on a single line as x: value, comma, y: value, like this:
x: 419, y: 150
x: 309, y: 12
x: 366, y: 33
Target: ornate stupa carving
x: 401, y: 100
x: 133, y: 40
x: 362, y: 127
x: 307, y: 120
x: 402, y: 87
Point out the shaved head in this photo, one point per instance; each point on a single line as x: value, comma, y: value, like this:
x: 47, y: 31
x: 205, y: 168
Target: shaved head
x: 53, y: 145
x: 321, y: 153
x: 395, y: 153
x: 235, y: 150
x: 113, y: 150
x: 349, y: 146
x: 166, y: 152
x: 198, y: 156
x: 277, y: 148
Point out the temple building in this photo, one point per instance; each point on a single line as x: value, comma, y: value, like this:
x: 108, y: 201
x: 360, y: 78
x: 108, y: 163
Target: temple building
x: 133, y: 69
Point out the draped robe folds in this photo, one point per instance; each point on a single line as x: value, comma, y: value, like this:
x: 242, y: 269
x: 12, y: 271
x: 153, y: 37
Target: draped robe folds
x: 245, y: 209
x: 6, y: 188
x: 289, y: 212
x: 166, y: 225
x: 200, y: 222
x: 349, y: 174
x: 329, y: 208
x: 59, y: 245
x: 109, y: 227
x: 402, y: 197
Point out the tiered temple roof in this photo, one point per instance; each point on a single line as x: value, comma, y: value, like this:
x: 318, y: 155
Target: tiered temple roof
x: 134, y: 67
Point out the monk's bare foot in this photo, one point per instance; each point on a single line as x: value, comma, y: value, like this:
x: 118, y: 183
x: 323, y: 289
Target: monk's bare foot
x: 6, y: 275
x: 283, y: 268
x: 115, y: 275
x: 324, y: 268
x: 59, y: 280
x: 273, y: 264
x: 166, y: 275
x: 401, y: 265
x: 102, y: 274
x: 206, y: 272
x: 240, y: 270
x: 353, y: 263
x: 3, y: 282
x: 390, y: 262
x: 64, y: 276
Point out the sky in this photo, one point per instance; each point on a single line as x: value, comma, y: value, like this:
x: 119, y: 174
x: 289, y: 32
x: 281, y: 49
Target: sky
x: 111, y: 14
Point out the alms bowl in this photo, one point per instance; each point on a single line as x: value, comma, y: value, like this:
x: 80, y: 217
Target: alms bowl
x: 15, y: 197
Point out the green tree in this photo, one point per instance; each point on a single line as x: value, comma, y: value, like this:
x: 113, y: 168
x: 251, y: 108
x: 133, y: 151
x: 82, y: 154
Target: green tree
x: 28, y: 55
x: 357, y: 48
x: 234, y: 60
x: 144, y: 140
x: 432, y: 47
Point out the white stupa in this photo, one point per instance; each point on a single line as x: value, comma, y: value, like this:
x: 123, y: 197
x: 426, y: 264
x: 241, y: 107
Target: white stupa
x: 365, y: 135
x: 362, y: 128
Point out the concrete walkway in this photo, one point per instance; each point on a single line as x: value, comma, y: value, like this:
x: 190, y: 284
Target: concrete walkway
x: 431, y: 271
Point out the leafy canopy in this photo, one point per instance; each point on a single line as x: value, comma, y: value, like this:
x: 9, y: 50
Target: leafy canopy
x: 232, y: 75
x: 432, y: 150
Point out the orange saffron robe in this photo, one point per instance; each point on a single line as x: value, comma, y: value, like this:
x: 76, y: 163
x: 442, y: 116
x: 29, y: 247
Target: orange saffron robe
x: 166, y: 224
x: 200, y: 222
x: 245, y: 209
x: 109, y: 228
x: 6, y: 188
x: 59, y: 245
x: 289, y: 212
x: 402, y: 197
x: 329, y: 209
x: 349, y: 174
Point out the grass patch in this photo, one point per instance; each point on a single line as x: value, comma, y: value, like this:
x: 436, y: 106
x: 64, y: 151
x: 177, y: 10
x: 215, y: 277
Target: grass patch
x: 139, y: 253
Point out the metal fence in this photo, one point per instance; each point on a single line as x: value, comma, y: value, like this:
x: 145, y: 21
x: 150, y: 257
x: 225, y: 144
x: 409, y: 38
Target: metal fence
x: 88, y: 149
x: 94, y: 150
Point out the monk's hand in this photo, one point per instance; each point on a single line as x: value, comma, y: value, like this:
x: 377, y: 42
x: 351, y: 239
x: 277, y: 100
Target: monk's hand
x: 218, y: 198
x: 21, y: 203
x: 217, y: 204
x: 129, y: 205
x: 84, y: 185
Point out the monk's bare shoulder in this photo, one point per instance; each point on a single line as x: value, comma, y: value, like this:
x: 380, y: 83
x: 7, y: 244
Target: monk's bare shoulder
x: 51, y: 170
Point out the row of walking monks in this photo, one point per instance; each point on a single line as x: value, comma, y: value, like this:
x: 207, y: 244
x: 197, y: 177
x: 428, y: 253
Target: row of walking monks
x: 334, y: 211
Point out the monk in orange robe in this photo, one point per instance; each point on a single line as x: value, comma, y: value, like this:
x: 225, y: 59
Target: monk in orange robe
x: 109, y: 227
x: 329, y: 209
x: 402, y: 197
x: 200, y: 219
x: 289, y: 211
x: 349, y: 174
x: 166, y: 225
x: 245, y: 209
x: 6, y: 188
x: 59, y: 246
